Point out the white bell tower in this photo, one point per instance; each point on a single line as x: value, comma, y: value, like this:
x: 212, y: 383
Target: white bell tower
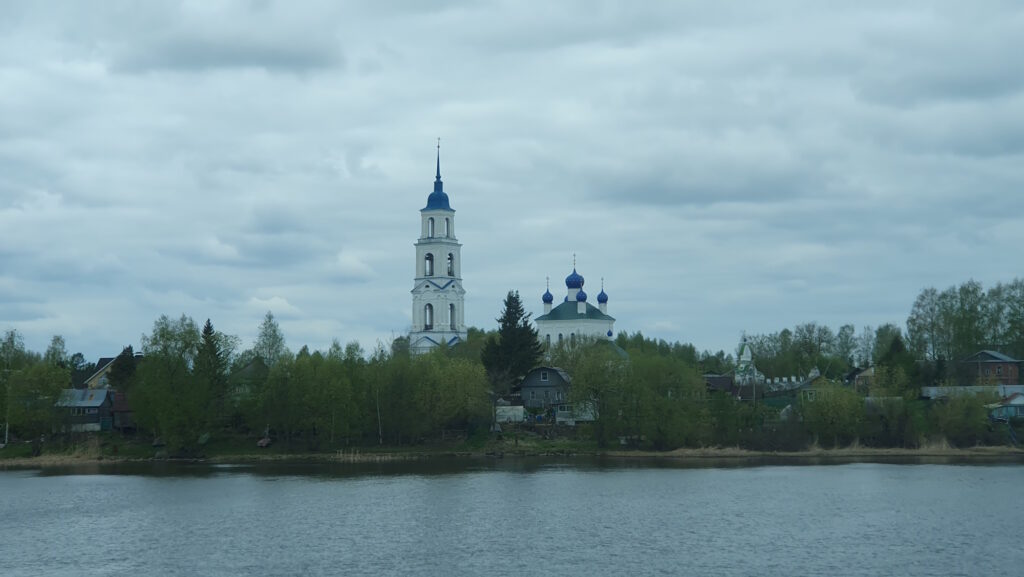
x: 437, y: 294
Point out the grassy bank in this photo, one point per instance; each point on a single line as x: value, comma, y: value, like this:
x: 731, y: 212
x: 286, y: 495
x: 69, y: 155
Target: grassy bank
x: 111, y: 448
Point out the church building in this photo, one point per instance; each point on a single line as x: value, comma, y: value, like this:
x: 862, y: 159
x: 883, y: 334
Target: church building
x: 437, y: 294
x: 574, y: 317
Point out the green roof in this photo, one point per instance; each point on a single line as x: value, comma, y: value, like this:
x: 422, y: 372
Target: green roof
x: 568, y: 311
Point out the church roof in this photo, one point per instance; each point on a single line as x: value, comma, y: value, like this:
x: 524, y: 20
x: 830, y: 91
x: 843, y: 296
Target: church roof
x: 438, y: 200
x: 569, y: 311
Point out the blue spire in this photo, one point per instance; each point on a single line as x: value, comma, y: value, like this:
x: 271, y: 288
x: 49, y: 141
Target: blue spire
x: 438, y: 185
x: 438, y: 200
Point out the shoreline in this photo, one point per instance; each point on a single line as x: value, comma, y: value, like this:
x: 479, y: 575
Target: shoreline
x: 682, y: 455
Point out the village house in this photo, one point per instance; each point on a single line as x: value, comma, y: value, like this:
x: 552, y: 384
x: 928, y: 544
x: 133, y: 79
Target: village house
x: 993, y: 368
x: 86, y: 410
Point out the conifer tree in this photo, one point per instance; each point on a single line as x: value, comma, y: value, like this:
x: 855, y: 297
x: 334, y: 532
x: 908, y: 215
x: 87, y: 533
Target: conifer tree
x: 515, y: 350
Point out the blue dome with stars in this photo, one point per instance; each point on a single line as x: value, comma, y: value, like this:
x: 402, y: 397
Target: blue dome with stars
x: 609, y: 333
x: 581, y: 297
x: 548, y: 298
x: 602, y: 297
x: 574, y: 281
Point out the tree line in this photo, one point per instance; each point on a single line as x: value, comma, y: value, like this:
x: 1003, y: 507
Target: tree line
x: 193, y: 383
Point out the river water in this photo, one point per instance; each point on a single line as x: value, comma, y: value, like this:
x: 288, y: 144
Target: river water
x: 514, y: 517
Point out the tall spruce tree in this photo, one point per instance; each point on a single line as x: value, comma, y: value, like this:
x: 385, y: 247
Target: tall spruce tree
x: 515, y: 350
x: 212, y: 369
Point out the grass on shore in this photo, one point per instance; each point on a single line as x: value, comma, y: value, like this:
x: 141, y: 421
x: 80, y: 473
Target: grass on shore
x: 108, y: 446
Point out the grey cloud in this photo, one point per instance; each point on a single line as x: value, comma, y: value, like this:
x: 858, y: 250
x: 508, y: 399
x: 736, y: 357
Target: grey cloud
x: 725, y: 169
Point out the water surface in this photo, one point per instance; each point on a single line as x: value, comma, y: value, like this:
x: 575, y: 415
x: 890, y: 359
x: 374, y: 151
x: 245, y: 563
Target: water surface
x: 513, y: 517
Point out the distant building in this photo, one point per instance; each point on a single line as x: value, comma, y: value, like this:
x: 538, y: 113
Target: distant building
x: 574, y: 317
x: 546, y: 390
x: 86, y: 409
x: 437, y: 295
x: 98, y: 378
x: 993, y: 368
x: 543, y: 387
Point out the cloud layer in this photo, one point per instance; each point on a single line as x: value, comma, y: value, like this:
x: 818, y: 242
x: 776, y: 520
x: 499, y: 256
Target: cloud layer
x: 724, y: 168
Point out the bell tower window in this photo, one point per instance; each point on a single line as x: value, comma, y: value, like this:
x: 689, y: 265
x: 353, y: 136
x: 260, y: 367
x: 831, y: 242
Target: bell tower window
x: 428, y: 317
x: 447, y: 227
x: 451, y: 316
x: 451, y: 264
x: 430, y: 227
x: 428, y: 265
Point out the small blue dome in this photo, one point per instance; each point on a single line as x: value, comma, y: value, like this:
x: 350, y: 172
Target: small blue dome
x: 574, y: 281
x: 581, y: 297
x: 609, y: 334
x: 548, y: 298
x: 602, y: 297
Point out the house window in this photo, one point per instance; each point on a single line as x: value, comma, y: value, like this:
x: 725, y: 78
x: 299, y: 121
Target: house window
x: 543, y: 375
x: 559, y: 338
x: 533, y: 395
x: 451, y: 316
x: 451, y: 264
x: 430, y: 227
x: 999, y: 369
x: 987, y: 371
x: 91, y: 411
x: 572, y: 339
x: 428, y: 317
x: 547, y: 339
x: 428, y: 265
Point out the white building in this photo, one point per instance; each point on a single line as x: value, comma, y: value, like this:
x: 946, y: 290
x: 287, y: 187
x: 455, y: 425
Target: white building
x: 574, y: 317
x: 437, y: 294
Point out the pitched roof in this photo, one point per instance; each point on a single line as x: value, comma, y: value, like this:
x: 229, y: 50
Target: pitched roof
x: 101, y: 365
x: 994, y: 357
x: 568, y: 311
x: 82, y: 397
x: 565, y: 376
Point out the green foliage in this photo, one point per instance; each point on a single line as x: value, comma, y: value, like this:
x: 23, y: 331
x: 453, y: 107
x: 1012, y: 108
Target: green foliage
x: 167, y: 398
x: 963, y: 420
x: 954, y: 323
x: 515, y: 350
x: 56, y: 354
x: 122, y: 369
x: 32, y: 393
x: 80, y: 369
x: 270, y: 344
x: 834, y: 415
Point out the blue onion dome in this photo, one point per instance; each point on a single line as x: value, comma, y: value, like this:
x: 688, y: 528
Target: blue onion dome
x: 437, y: 200
x: 581, y: 297
x: 574, y: 281
x: 548, y: 298
x: 602, y: 297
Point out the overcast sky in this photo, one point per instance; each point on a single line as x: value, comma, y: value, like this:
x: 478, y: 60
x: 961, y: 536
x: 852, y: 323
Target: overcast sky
x: 726, y: 167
